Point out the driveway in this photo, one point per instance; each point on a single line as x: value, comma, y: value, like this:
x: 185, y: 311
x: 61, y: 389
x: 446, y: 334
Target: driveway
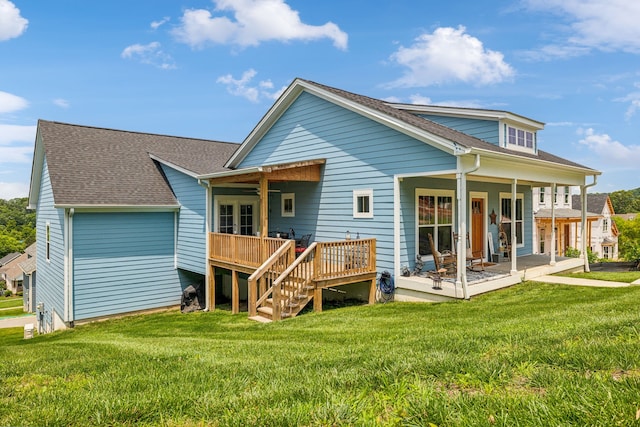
x: 15, y: 322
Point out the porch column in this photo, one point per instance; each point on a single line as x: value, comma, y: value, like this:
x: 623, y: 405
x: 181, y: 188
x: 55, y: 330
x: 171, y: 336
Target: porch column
x: 553, y: 224
x: 396, y: 227
x: 461, y: 248
x: 514, y: 239
x: 264, y: 215
x: 208, y: 279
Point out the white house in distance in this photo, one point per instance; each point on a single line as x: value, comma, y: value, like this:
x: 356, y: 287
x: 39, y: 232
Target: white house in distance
x: 559, y: 203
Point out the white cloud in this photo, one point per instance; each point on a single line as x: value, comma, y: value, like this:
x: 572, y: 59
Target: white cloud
x: 610, y: 152
x: 13, y: 190
x: 157, y: 24
x: 608, y: 25
x: 19, y: 154
x: 16, y: 133
x: 151, y: 54
x: 243, y: 87
x: 450, y: 55
x: 62, y: 103
x: 10, y: 102
x: 11, y: 23
x: 255, y: 21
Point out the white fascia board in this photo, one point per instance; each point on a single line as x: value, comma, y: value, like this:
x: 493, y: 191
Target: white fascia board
x: 36, y: 172
x: 474, y: 113
x: 399, y: 125
x: 119, y: 208
x: 534, y: 162
x: 276, y: 110
x: 235, y: 172
x: 298, y: 86
x: 173, y: 166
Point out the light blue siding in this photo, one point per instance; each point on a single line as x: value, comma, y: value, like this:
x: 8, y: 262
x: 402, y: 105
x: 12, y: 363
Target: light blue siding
x: 50, y: 273
x: 191, y: 249
x: 359, y: 153
x: 123, y: 262
x: 486, y: 130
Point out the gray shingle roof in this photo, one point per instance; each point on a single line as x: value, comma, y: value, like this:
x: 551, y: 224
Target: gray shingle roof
x: 464, y: 140
x: 595, y: 202
x: 91, y: 166
x: 563, y: 213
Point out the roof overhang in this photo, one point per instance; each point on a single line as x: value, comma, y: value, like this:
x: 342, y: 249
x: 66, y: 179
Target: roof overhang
x: 36, y: 171
x: 173, y: 166
x: 118, y: 208
x: 306, y: 170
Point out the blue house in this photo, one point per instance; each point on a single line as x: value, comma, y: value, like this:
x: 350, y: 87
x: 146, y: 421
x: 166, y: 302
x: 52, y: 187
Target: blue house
x: 126, y: 220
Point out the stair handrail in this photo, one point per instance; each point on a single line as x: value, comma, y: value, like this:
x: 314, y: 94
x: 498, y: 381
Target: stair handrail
x: 277, y: 284
x: 288, y: 248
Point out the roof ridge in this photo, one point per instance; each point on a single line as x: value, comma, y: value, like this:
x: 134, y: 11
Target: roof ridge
x: 135, y: 132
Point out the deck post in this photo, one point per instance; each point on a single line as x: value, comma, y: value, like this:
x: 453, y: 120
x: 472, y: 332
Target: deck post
x: 276, y: 313
x: 211, y: 288
x: 317, y: 299
x: 253, y: 298
x: 235, y: 293
x: 372, y: 292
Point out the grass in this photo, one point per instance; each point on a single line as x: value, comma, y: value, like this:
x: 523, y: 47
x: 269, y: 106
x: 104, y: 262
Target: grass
x: 10, y: 302
x: 617, y: 276
x: 533, y: 354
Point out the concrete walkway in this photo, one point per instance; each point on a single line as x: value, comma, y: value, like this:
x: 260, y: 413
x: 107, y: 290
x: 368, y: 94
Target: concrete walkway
x: 583, y: 282
x: 17, y: 322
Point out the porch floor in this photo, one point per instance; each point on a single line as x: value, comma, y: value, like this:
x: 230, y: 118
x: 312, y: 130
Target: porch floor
x: 496, y: 276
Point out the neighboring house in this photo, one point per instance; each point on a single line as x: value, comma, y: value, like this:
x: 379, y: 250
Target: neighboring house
x: 602, y: 236
x: 11, y: 272
x: 126, y: 220
x: 557, y: 220
x: 119, y: 219
x: 8, y: 258
x: 28, y: 268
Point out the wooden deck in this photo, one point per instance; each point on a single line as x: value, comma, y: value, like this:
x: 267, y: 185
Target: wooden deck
x: 281, y: 284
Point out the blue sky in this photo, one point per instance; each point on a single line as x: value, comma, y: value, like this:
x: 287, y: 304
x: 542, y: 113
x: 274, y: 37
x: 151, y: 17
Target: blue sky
x: 212, y: 68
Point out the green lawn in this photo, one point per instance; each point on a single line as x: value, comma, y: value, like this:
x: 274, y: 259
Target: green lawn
x: 10, y: 302
x: 618, y: 276
x: 530, y: 355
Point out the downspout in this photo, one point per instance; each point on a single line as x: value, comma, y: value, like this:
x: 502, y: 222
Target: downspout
x: 207, y: 230
x: 396, y: 226
x: 461, y: 250
x: 553, y: 224
x: 68, y: 267
x: 583, y: 231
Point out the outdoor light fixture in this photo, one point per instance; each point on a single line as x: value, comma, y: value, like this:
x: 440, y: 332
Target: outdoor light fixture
x: 347, y: 236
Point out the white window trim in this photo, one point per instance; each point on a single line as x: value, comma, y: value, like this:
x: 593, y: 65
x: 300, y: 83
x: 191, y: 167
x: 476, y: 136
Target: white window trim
x: 435, y: 193
x: 519, y: 196
x: 368, y: 192
x: 517, y: 147
x: 284, y: 197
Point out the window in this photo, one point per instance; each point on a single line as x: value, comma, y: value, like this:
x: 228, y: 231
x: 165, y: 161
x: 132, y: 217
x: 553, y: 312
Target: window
x: 542, y: 240
x: 48, y: 242
x: 605, y: 225
x: 606, y: 252
x: 542, y: 195
x: 363, y: 203
x: 434, y: 215
x: 555, y: 195
x: 288, y: 205
x: 237, y: 215
x: 520, y: 138
x: 507, y: 217
x: 567, y: 194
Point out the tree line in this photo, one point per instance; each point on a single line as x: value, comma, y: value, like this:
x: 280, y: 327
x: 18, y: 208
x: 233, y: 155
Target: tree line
x: 17, y: 226
x: 625, y: 201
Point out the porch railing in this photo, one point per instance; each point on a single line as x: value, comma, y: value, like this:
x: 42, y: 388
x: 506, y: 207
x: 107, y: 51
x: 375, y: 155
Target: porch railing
x: 344, y: 258
x: 249, y: 251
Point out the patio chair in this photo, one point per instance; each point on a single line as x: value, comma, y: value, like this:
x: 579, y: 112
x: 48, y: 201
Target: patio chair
x: 444, y: 260
x: 473, y: 260
x: 302, y: 244
x: 504, y: 242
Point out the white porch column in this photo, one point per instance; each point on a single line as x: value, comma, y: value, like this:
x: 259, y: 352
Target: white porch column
x: 553, y: 224
x: 461, y: 249
x: 396, y: 226
x: 514, y: 238
x: 583, y: 227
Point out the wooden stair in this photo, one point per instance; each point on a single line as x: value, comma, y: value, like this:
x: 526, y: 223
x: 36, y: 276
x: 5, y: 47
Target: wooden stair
x: 292, y: 302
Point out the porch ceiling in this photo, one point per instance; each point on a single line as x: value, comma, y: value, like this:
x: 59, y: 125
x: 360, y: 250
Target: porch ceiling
x: 308, y: 170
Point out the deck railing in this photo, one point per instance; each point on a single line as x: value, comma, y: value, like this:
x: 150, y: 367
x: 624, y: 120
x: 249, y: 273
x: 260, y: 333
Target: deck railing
x: 344, y: 258
x: 242, y: 250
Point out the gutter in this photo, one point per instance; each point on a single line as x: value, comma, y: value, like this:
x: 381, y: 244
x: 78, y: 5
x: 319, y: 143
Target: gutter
x: 207, y: 229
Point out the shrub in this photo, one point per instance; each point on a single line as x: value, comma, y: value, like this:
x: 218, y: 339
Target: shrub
x: 8, y: 293
x: 572, y: 252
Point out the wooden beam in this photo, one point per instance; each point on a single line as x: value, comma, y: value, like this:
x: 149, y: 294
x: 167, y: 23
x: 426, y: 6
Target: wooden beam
x: 235, y: 293
x: 211, y: 288
x: 372, y: 291
x: 317, y: 299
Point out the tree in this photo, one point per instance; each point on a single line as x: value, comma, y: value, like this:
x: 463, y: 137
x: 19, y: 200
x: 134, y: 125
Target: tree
x: 17, y: 226
x: 629, y: 238
x: 625, y: 201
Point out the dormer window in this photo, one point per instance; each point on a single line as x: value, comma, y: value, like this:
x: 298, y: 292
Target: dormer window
x: 520, y: 139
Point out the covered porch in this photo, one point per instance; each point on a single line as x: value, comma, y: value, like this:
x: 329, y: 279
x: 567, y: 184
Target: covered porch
x: 496, y: 276
x: 284, y: 274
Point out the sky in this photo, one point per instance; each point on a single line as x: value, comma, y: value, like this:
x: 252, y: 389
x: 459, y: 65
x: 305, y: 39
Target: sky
x: 212, y: 68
